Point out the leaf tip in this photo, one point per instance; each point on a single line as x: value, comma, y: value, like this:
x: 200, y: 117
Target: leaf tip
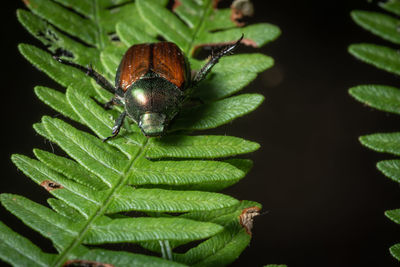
x: 354, y: 13
x: 362, y: 139
x: 15, y: 157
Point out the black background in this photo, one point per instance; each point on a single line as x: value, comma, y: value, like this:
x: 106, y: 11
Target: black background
x: 324, y: 197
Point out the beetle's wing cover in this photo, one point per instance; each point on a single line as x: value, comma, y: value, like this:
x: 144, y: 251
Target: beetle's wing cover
x: 169, y: 63
x: 134, y: 65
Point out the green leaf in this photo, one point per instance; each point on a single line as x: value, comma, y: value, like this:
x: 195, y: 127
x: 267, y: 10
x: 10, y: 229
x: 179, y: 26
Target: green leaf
x: 220, y: 250
x: 19, y: 251
x: 385, y: 98
x: 391, y: 168
x: 122, y: 258
x: 228, y: 76
x: 159, y: 200
x: 382, y: 142
x: 223, y: 248
x: 54, y: 39
x: 94, y: 157
x: 164, y: 22
x: 74, y: 194
x: 57, y: 228
x: 70, y: 169
x: 57, y: 101
x: 382, y: 57
x: 64, y: 75
x: 391, y: 6
x: 191, y: 12
x: 384, y: 26
x: 206, y: 146
x: 395, y: 251
x: 183, y: 172
x: 217, y: 113
x: 66, y: 20
x: 133, y: 34
x: 147, y: 229
x: 62, y: 208
x: 394, y: 215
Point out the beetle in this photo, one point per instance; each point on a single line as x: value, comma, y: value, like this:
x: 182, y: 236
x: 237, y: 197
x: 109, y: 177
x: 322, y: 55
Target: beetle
x: 152, y: 82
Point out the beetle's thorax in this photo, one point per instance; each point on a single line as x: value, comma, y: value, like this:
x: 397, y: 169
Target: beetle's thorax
x: 152, y: 102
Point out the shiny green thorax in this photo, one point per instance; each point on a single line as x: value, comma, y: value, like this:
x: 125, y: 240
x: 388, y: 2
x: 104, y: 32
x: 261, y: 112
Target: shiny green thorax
x: 152, y: 102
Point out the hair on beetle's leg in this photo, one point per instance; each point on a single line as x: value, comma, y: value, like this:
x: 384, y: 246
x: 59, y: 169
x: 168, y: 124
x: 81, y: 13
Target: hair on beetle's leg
x: 100, y: 80
x: 117, y: 126
x: 214, y: 60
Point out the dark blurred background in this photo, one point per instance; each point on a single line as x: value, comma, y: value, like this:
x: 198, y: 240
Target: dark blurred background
x: 324, y: 197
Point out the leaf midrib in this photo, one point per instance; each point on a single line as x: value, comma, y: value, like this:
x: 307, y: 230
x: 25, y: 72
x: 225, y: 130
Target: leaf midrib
x: 99, y: 31
x: 198, y: 27
x: 102, y: 209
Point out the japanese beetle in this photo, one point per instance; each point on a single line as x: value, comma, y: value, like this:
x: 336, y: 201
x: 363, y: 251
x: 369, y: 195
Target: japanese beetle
x: 152, y: 82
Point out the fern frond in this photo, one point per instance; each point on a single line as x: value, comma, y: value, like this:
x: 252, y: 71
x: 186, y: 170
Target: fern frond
x: 385, y: 98
x: 95, y: 184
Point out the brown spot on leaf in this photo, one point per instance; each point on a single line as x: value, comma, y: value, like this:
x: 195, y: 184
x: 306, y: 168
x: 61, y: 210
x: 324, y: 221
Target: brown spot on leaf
x: 215, y: 4
x: 83, y: 263
x: 247, y: 216
x: 241, y: 9
x: 249, y: 42
x: 177, y: 3
x: 50, y: 185
x: 26, y: 2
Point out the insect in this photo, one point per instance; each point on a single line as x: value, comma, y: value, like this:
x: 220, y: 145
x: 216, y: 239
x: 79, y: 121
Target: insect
x: 152, y: 82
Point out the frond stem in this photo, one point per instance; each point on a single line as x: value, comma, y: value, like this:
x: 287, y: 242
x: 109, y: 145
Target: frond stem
x: 100, y: 35
x: 63, y: 256
x: 198, y: 27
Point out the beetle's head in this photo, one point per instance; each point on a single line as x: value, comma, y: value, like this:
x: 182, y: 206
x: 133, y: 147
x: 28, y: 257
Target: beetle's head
x: 152, y: 124
x: 152, y: 103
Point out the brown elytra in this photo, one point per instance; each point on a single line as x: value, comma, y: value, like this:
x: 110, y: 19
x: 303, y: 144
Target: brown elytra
x: 164, y: 59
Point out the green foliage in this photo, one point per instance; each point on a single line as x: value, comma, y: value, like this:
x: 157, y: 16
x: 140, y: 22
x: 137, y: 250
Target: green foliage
x: 385, y: 98
x: 97, y: 183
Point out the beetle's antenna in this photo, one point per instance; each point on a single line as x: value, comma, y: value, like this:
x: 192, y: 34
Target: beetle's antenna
x: 100, y: 79
x: 214, y: 60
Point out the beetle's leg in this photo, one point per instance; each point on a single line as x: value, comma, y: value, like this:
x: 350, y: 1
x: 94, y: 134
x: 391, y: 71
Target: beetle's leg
x: 112, y: 102
x: 109, y: 104
x: 214, y: 60
x: 100, y: 80
x: 117, y: 126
